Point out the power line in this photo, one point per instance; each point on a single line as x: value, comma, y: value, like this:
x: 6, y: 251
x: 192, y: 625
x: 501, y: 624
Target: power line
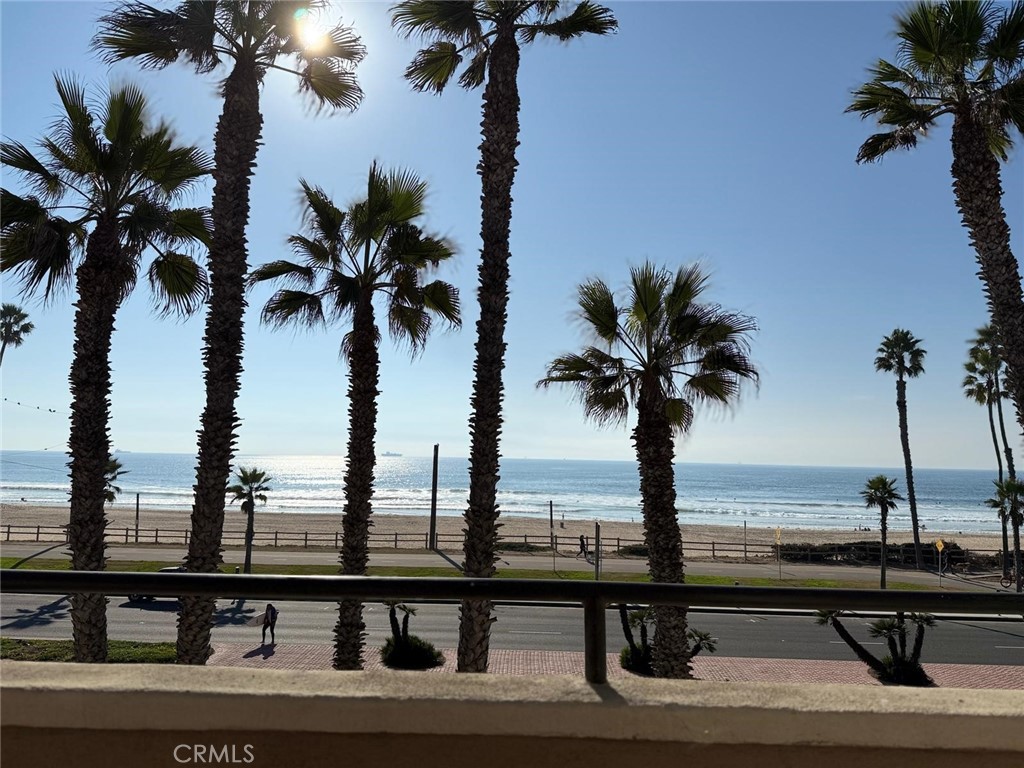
x: 37, y: 407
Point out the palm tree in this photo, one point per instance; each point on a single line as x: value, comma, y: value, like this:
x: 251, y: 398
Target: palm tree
x: 490, y: 33
x: 13, y: 327
x: 350, y: 257
x: 250, y: 37
x: 249, y: 489
x: 898, y: 667
x: 901, y: 354
x: 115, y: 176
x: 1009, y: 501
x: 661, y: 352
x: 113, y: 472
x: 987, y: 343
x: 980, y: 386
x: 880, y: 492
x: 964, y: 59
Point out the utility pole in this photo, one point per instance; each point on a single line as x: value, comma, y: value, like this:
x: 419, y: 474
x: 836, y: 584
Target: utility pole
x: 433, y: 504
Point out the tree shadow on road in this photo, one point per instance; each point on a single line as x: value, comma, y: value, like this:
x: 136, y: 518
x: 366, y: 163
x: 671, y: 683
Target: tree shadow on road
x: 42, y: 616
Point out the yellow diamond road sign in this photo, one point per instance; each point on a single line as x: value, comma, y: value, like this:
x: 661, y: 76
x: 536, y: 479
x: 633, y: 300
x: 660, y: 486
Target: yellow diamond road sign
x: 939, y: 545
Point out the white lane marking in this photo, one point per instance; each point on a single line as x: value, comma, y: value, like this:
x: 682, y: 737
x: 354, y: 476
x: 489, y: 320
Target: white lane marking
x: 843, y: 642
x: 530, y: 632
x: 1018, y: 647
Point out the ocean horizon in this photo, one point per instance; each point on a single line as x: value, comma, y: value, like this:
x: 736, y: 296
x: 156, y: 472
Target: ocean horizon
x: 578, y: 489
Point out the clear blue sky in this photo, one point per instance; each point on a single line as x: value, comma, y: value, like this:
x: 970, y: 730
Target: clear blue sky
x: 701, y: 131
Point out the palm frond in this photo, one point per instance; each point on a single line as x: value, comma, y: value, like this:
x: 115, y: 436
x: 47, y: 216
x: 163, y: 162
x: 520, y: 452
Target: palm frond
x: 442, y: 299
x: 598, y: 311
x: 330, y: 82
x: 433, y: 67
x: 475, y: 73
x: 36, y: 247
x: 293, y: 307
x: 296, y: 274
x: 156, y: 38
x: 434, y: 19
x: 40, y: 178
x: 880, y: 144
x: 179, y: 284
x: 586, y: 18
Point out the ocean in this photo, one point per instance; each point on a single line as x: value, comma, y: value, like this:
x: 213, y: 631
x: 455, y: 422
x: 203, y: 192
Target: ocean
x: 715, y: 494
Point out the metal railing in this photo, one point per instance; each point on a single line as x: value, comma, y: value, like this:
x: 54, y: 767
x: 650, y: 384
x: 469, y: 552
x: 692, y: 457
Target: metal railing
x: 595, y: 596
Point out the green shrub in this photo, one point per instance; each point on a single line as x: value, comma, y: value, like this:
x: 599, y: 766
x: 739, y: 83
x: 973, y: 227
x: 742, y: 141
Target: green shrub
x: 635, y: 550
x: 410, y: 653
x: 521, y: 546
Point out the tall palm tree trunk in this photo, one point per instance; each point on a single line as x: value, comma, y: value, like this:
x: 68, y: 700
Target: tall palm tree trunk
x: 995, y: 438
x: 250, y: 531
x: 235, y: 145
x: 999, y: 460
x: 652, y: 437
x: 3, y: 348
x: 497, y: 168
x: 978, y: 191
x: 885, y: 546
x: 901, y: 406
x: 364, y: 375
x: 861, y: 652
x: 1015, y: 516
x: 89, y: 442
x: 1007, y: 450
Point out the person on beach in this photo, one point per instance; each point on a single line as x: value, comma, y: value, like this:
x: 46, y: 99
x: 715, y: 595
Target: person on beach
x: 583, y: 548
x: 269, y: 622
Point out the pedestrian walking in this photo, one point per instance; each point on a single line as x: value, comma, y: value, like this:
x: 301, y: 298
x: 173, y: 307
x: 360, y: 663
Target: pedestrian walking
x: 269, y: 622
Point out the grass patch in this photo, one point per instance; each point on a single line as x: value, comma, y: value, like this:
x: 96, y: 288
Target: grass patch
x: 149, y: 566
x: 118, y: 651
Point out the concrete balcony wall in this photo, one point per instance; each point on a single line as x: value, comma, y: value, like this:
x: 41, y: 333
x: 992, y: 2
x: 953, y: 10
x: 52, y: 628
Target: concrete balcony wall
x: 135, y: 715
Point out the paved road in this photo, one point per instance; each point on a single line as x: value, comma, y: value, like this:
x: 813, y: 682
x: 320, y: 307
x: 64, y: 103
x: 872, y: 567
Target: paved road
x: 621, y: 565
x: 518, y: 628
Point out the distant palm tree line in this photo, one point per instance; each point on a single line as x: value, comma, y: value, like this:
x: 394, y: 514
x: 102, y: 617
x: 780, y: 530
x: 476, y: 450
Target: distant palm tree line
x: 665, y: 350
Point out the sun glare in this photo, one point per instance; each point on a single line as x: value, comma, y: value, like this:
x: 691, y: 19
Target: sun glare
x: 313, y: 36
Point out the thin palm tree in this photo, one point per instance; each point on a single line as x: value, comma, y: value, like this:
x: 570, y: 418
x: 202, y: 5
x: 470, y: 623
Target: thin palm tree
x: 489, y: 33
x: 251, y: 486
x: 880, y: 492
x: 249, y: 38
x: 115, y: 470
x: 987, y: 342
x: 351, y: 257
x: 1009, y: 501
x: 964, y: 59
x: 901, y: 353
x: 662, y: 352
x: 14, y: 327
x: 979, y: 385
x: 114, y: 176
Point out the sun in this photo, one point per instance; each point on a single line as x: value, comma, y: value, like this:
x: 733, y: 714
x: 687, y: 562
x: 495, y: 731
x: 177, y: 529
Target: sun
x: 313, y: 36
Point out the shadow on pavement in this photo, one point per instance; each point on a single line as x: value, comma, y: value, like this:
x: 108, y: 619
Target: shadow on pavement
x: 236, y: 614
x: 58, y: 610
x: 266, y: 651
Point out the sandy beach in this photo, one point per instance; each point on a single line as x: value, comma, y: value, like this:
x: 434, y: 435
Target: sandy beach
x: 122, y: 516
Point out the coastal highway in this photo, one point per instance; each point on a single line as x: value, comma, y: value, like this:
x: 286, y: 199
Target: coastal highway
x: 518, y: 628
x: 419, y: 559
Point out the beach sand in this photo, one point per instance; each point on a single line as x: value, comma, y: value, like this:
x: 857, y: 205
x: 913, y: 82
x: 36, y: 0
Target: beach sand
x: 122, y: 515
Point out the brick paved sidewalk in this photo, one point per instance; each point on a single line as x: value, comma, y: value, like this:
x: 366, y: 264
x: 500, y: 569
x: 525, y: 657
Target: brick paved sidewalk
x: 734, y: 669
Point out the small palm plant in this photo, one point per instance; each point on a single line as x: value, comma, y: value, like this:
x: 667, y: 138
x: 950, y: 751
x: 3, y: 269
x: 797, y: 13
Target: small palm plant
x: 897, y: 667
x: 250, y: 487
x: 880, y: 492
x: 114, y: 471
x: 102, y: 190
x: 14, y: 327
x: 1009, y: 502
x: 663, y: 352
x: 637, y: 658
x: 403, y: 650
x: 371, y: 251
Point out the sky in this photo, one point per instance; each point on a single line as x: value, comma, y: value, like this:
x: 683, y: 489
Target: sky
x: 710, y: 132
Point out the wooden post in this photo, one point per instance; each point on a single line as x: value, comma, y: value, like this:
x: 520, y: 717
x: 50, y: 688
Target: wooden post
x: 744, y: 541
x: 597, y: 551
x: 275, y: 538
x: 305, y: 540
x: 37, y: 533
x: 396, y: 539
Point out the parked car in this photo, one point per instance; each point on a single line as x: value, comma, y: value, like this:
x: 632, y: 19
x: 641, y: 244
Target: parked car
x: 137, y: 598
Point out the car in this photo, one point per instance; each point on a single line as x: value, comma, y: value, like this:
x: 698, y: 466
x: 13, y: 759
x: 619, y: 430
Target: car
x: 138, y: 598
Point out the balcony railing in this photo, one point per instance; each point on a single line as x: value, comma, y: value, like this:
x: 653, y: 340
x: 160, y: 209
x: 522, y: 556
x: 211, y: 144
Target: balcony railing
x: 594, y: 596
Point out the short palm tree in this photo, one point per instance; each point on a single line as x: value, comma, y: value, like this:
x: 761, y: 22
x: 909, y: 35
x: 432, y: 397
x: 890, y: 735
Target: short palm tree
x: 1009, y: 502
x: 115, y: 470
x: 661, y: 352
x: 880, y: 492
x: 964, y: 59
x: 898, y: 667
x: 115, y: 176
x: 250, y: 487
x: 14, y: 327
x: 249, y: 38
x: 489, y: 33
x: 901, y: 353
x: 372, y: 249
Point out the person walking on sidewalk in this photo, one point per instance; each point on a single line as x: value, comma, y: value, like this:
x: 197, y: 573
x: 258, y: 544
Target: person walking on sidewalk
x: 269, y: 622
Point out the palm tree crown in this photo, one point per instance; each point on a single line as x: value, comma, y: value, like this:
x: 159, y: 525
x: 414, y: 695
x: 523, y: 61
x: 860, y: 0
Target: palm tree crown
x: 251, y: 486
x: 115, y: 470
x: 901, y: 354
x: 256, y: 33
x: 104, y: 164
x: 880, y: 493
x: 371, y: 248
x: 953, y: 57
x: 14, y: 327
x: 457, y: 29
x: 662, y: 343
